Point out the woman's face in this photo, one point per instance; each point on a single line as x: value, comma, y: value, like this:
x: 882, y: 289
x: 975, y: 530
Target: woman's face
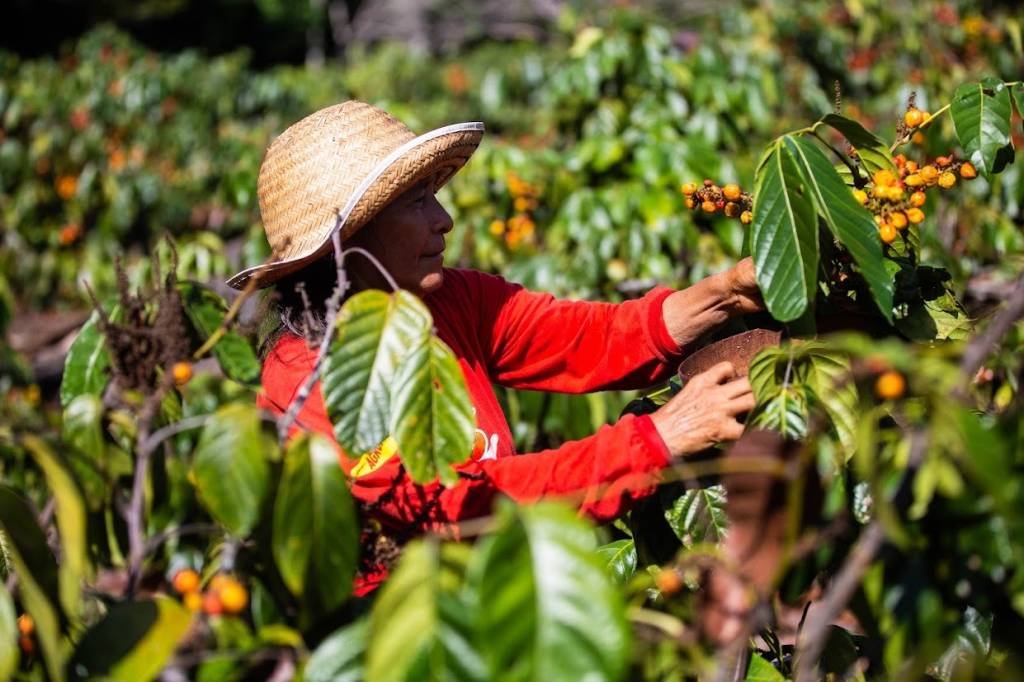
x: 407, y: 237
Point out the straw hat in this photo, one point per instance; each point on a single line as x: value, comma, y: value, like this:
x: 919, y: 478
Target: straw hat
x: 337, y: 168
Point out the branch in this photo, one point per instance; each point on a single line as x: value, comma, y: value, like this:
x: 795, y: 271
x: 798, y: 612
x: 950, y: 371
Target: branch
x: 333, y: 306
x: 981, y: 346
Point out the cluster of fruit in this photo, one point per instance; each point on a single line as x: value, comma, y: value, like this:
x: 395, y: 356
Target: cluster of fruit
x: 888, y: 200
x: 26, y: 630
x: 520, y: 227
x: 223, y: 594
x: 710, y: 198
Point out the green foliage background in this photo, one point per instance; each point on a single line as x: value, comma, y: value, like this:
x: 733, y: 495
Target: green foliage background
x: 575, y: 190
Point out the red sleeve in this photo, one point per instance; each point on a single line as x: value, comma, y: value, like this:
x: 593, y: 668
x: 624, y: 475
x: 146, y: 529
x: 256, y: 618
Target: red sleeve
x: 601, y: 474
x: 536, y: 341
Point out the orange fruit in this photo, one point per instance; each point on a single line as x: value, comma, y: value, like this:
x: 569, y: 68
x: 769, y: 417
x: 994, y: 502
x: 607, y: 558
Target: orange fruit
x: 915, y: 215
x: 929, y: 173
x: 211, y: 604
x: 732, y: 209
x: 947, y: 180
x: 910, y: 166
x: 918, y: 138
x: 690, y: 203
x: 731, y: 192
x: 968, y: 171
x: 746, y: 217
x: 182, y: 372
x: 688, y: 188
x: 668, y: 581
x: 69, y: 234
x: 888, y: 233
x: 28, y: 647
x: 898, y: 219
x: 233, y: 596
x: 26, y: 625
x: 861, y: 196
x: 890, y: 385
x: 914, y: 180
x: 185, y: 581
x: 708, y: 206
x: 884, y: 177
x: 917, y: 199
x: 913, y: 117
x: 193, y: 601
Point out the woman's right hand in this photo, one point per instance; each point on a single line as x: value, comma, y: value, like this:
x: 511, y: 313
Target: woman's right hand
x: 704, y: 412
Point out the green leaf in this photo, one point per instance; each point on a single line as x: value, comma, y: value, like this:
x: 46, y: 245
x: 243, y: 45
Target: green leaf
x: 38, y: 585
x: 133, y: 642
x: 376, y: 331
x: 698, y: 515
x: 982, y: 122
x: 71, y: 517
x: 431, y: 414
x: 873, y: 153
x: 619, y: 557
x: 230, y: 468
x: 784, y: 236
x: 206, y: 311
x: 848, y: 220
x: 8, y: 634
x: 420, y: 626
x: 550, y: 610
x: 761, y: 670
x: 315, y: 531
x: 786, y: 413
x: 339, y: 658
x: 1018, y: 98
x: 85, y: 368
x: 833, y: 388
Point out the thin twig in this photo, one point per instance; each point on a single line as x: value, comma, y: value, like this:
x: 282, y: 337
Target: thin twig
x: 332, y: 307
x: 180, y: 531
x: 186, y: 424
x: 981, y: 346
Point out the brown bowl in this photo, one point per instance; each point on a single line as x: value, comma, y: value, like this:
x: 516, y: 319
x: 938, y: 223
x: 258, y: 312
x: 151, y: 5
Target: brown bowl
x: 739, y: 350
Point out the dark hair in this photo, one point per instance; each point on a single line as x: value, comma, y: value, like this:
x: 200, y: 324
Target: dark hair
x: 299, y: 304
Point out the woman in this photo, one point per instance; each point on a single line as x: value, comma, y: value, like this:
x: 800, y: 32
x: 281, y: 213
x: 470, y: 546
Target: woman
x: 354, y: 168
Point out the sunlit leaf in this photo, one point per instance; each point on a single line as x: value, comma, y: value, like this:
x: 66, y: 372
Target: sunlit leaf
x: 376, y: 331
x: 873, y: 153
x: 619, y: 557
x: 230, y: 468
x: 8, y: 635
x: 550, y: 609
x: 339, y: 658
x: 431, y: 414
x: 850, y: 222
x: 982, y: 122
x: 85, y: 367
x: 760, y: 670
x: 698, y: 515
x: 134, y: 641
x: 315, y: 530
x: 784, y: 236
x: 71, y: 518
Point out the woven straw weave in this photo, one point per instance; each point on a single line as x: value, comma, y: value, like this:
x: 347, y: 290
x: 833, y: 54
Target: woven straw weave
x: 340, y: 166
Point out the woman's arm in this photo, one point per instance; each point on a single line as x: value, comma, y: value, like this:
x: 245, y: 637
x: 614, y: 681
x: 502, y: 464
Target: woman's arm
x: 696, y: 310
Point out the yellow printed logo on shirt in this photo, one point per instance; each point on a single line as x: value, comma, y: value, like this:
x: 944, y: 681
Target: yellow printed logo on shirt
x: 375, y: 459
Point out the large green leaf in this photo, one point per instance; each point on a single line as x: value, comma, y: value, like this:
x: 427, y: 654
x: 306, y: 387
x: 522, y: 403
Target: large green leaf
x: 133, y: 642
x: 873, y: 153
x: 420, y: 626
x: 71, y: 517
x: 829, y: 379
x: 230, y: 467
x: 784, y: 236
x: 376, y: 331
x: 8, y: 634
x: 982, y: 122
x: 848, y: 220
x: 760, y: 670
x: 339, y: 658
x: 206, y: 311
x: 698, y: 515
x: 619, y: 557
x: 549, y: 608
x: 315, y: 532
x: 431, y: 413
x: 85, y: 367
x: 38, y: 584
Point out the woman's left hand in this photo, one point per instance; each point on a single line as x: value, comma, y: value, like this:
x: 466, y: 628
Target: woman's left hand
x: 742, y: 283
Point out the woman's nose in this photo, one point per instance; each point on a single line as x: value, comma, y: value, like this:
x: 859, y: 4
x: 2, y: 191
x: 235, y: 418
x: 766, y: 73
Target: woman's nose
x: 441, y: 221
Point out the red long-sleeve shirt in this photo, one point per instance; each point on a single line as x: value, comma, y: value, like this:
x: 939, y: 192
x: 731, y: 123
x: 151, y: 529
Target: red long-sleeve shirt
x: 501, y: 333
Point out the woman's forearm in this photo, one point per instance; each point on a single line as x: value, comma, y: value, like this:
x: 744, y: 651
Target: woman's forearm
x: 694, y: 311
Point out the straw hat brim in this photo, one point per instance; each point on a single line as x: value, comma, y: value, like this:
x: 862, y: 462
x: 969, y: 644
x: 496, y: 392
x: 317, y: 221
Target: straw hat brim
x: 441, y: 152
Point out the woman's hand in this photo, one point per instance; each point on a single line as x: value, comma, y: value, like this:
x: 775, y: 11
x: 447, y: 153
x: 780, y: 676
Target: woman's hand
x: 742, y: 284
x: 704, y: 412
